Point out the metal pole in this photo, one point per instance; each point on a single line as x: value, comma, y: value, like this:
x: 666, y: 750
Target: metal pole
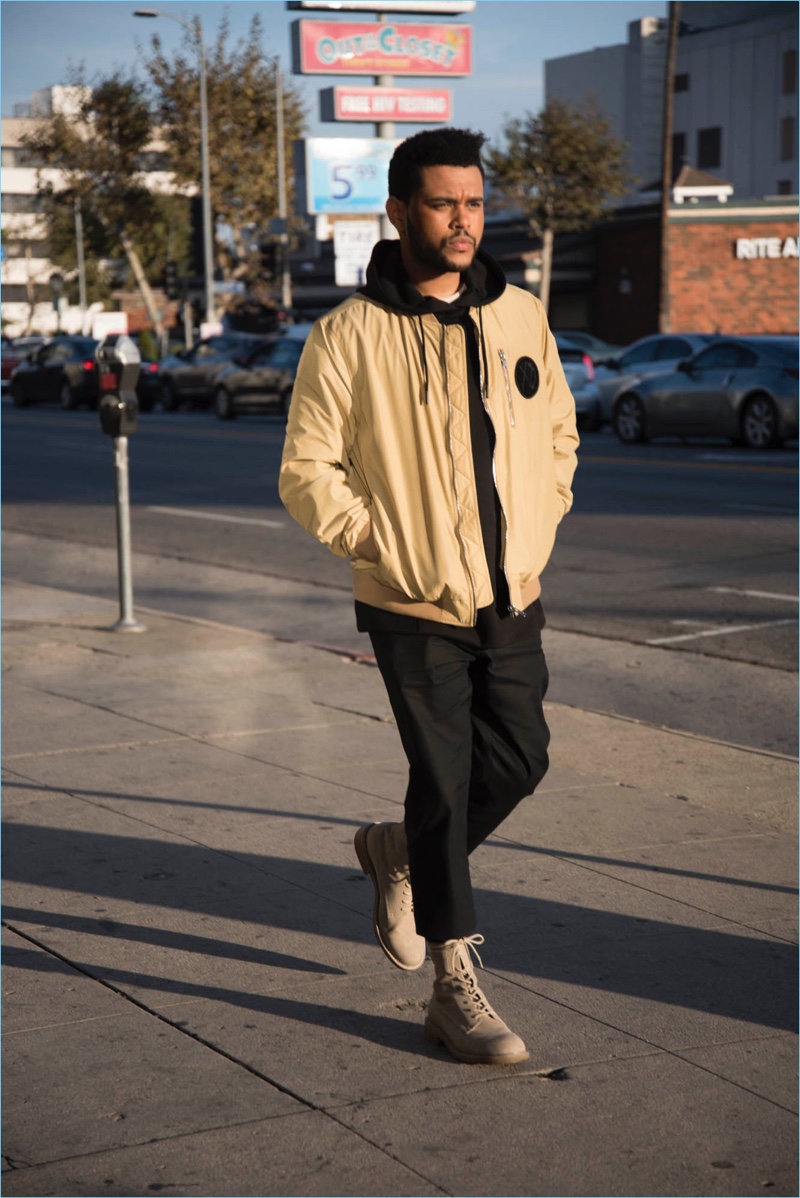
x: 385, y: 129
x: 127, y: 622
x: 81, y: 263
x: 208, y: 245
x: 286, y: 276
x: 666, y: 165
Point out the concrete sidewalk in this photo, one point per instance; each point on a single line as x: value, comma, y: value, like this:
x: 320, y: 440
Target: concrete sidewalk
x: 193, y: 1000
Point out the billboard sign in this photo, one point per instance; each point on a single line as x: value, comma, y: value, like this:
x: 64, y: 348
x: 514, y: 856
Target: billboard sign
x: 420, y: 105
x: 359, y: 48
x: 347, y: 174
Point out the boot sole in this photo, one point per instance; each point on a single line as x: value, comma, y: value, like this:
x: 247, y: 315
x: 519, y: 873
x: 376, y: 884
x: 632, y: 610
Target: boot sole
x: 365, y: 861
x: 433, y: 1034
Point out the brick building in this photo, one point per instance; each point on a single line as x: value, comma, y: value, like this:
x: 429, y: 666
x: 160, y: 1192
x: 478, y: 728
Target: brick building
x: 733, y: 268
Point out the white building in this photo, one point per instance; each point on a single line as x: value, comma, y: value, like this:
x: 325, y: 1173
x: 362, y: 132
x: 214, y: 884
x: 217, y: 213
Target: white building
x: 735, y: 111
x: 26, y: 269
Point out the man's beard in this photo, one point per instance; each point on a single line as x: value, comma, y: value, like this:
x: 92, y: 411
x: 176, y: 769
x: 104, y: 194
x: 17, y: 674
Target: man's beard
x: 430, y: 254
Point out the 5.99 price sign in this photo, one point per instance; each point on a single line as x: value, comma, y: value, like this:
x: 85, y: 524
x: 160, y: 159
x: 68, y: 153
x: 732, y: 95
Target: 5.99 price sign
x: 347, y: 174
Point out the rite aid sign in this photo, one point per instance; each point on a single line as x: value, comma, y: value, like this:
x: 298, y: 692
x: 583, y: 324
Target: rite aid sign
x: 350, y: 48
x: 766, y: 247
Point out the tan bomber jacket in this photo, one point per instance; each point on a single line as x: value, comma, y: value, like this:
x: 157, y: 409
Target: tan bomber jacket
x: 378, y: 442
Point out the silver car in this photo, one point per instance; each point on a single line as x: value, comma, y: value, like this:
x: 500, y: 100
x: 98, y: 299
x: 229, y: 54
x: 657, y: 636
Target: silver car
x: 743, y: 388
x: 648, y: 356
x: 580, y: 375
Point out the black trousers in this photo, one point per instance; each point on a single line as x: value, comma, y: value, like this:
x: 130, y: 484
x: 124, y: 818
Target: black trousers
x: 473, y: 729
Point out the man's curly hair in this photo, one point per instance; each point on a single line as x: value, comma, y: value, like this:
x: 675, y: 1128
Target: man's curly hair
x: 432, y: 147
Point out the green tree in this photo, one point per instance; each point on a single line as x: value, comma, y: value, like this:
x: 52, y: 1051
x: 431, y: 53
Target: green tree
x: 561, y: 167
x: 98, y: 150
x: 241, y: 89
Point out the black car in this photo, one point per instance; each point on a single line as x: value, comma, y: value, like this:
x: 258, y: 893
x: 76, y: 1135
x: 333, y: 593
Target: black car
x: 191, y: 375
x: 263, y: 379
x: 64, y: 371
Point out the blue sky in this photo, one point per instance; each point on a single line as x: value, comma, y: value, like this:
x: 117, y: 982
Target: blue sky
x: 512, y: 38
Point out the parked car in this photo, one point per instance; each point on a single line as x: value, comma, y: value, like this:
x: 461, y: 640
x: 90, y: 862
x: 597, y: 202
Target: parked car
x: 651, y: 355
x: 599, y: 351
x: 14, y: 351
x: 744, y: 388
x: 191, y: 375
x: 64, y: 371
x: 580, y: 374
x: 263, y: 379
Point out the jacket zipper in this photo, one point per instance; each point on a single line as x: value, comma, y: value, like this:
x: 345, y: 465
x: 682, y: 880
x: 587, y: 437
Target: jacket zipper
x: 504, y: 361
x: 514, y: 611
x: 473, y: 613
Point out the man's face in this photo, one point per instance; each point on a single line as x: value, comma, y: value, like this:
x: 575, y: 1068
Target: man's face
x: 444, y: 219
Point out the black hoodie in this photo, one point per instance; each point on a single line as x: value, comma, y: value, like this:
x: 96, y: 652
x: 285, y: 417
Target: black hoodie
x: 484, y: 281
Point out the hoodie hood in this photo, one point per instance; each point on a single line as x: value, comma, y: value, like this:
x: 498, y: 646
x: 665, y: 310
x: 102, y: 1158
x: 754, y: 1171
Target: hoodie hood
x: 388, y: 283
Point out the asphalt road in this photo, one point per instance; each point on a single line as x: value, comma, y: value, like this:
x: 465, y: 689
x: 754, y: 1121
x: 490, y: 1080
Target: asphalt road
x: 686, y: 548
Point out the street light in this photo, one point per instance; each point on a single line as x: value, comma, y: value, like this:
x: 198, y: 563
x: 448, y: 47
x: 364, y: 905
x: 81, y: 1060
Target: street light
x: 208, y: 252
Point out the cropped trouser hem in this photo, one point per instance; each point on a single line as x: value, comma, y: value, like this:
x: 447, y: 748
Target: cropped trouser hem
x: 473, y: 729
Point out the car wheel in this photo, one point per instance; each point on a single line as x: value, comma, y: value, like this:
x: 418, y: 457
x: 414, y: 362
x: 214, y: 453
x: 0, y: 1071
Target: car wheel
x: 66, y: 396
x: 759, y: 423
x: 18, y: 397
x: 169, y: 398
x: 628, y: 420
x: 223, y: 404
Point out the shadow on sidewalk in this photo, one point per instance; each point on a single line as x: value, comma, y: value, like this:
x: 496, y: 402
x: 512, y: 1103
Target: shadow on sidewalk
x: 714, y: 970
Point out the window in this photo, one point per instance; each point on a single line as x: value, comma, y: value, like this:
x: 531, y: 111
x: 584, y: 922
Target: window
x: 789, y: 72
x: 22, y: 203
x: 641, y: 353
x: 725, y: 357
x: 681, y: 83
x: 788, y: 153
x: 709, y: 148
x: 785, y: 187
x: 286, y: 356
x: 679, y: 149
x: 16, y: 156
x: 673, y: 347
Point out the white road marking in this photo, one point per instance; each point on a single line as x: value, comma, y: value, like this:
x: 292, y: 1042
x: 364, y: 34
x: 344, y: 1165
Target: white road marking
x: 726, y: 631
x: 754, y: 594
x: 181, y: 511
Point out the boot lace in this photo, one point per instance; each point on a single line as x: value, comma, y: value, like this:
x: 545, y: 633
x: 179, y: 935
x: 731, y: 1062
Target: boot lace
x: 475, y: 999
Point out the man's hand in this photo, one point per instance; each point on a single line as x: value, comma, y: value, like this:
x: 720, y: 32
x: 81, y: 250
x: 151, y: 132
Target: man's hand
x: 365, y: 545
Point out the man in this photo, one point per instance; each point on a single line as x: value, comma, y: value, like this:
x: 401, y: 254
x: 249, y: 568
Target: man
x: 431, y: 439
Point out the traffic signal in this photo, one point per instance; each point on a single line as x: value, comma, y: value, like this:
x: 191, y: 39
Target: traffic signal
x: 268, y: 251
x: 171, y: 282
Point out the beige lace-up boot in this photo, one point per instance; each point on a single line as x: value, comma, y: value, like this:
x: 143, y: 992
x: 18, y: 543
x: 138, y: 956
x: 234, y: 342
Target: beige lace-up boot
x: 459, y: 1015
x: 383, y: 854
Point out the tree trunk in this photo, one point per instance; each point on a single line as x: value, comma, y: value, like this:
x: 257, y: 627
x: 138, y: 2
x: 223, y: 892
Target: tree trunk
x: 666, y: 164
x: 547, y: 268
x: 141, y: 280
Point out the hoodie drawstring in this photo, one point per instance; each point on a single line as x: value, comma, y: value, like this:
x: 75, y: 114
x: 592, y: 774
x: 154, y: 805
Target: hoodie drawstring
x: 424, y: 358
x: 483, y: 356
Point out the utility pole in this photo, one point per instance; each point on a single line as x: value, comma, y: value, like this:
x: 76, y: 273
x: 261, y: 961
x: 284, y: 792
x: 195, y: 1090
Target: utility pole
x: 666, y: 163
x: 81, y: 264
x: 286, y: 274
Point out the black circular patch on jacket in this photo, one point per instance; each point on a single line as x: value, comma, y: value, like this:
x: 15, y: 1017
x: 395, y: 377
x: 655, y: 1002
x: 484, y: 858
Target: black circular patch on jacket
x: 526, y: 376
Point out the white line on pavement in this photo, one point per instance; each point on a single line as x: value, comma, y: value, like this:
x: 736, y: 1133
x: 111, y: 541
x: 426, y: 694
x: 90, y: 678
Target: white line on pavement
x: 726, y: 631
x: 753, y: 594
x: 181, y: 511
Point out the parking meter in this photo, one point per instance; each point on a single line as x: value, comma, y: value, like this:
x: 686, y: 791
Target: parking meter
x: 118, y: 365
